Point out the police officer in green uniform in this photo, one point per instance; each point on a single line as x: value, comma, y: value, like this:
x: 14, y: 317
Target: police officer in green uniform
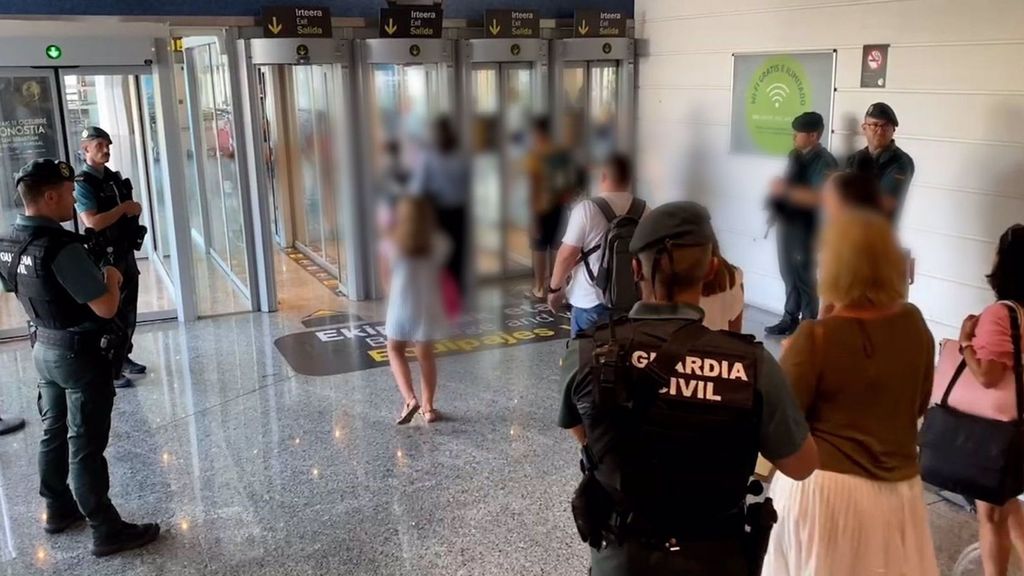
x: 795, y: 200
x: 883, y: 159
x: 671, y: 417
x: 69, y: 300
x: 105, y: 204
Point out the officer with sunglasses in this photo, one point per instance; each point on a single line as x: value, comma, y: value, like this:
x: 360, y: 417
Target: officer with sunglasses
x: 883, y: 159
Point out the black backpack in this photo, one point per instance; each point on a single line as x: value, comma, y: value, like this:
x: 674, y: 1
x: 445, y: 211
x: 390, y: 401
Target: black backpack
x: 614, y: 275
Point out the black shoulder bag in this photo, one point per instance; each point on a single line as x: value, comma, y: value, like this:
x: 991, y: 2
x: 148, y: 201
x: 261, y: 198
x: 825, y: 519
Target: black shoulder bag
x: 971, y: 455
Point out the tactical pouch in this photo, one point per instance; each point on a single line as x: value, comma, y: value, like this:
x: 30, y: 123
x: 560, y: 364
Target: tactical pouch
x: 592, y: 509
x: 761, y: 518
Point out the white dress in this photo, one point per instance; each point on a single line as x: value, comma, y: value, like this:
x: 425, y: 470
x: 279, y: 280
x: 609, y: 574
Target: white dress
x: 415, y: 304
x: 844, y: 525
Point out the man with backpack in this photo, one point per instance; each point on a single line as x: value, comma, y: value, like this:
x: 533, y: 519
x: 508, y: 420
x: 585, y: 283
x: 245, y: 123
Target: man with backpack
x: 593, y: 268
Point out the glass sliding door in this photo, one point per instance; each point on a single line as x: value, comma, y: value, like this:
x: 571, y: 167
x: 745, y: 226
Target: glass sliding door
x: 113, y: 99
x: 486, y: 169
x: 216, y: 208
x: 604, y: 109
x: 519, y: 109
x: 504, y: 104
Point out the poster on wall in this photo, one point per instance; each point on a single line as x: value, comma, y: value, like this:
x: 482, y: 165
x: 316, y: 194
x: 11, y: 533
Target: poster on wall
x: 769, y: 90
x: 28, y: 131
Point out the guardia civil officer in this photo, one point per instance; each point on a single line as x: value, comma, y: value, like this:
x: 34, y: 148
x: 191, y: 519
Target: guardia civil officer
x: 671, y: 416
x: 69, y: 301
x: 883, y: 159
x: 795, y: 201
x: 105, y: 204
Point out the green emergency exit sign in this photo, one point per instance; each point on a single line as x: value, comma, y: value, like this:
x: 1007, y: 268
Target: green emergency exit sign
x: 53, y: 52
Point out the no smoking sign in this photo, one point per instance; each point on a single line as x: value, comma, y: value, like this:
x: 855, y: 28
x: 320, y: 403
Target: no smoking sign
x: 874, y: 65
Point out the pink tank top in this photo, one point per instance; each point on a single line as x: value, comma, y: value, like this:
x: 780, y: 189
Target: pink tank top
x: 992, y: 341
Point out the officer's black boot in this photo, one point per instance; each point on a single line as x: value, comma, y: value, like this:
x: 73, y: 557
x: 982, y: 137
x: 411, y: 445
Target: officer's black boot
x: 123, y: 382
x: 785, y: 327
x: 59, y: 521
x: 125, y: 536
x: 133, y: 367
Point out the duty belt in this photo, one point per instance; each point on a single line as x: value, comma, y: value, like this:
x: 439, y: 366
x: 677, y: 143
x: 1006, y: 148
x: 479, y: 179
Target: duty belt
x: 69, y: 340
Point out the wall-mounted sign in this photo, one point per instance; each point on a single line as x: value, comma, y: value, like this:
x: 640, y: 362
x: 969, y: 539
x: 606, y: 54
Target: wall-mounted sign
x: 297, y: 22
x: 599, y: 24
x: 512, y: 24
x: 769, y: 90
x: 177, y: 44
x: 53, y: 52
x: 410, y: 22
x: 873, y: 66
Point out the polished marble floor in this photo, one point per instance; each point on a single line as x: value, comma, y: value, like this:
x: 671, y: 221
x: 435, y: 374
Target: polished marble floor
x: 252, y: 469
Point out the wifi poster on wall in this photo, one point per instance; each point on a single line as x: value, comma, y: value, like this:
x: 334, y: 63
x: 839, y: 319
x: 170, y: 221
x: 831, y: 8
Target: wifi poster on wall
x: 769, y: 90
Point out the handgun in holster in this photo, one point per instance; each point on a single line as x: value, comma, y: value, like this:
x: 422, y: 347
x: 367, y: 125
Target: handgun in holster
x: 761, y: 518
x: 592, y: 505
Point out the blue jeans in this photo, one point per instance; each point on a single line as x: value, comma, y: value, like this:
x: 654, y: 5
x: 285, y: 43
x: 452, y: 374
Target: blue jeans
x: 584, y: 319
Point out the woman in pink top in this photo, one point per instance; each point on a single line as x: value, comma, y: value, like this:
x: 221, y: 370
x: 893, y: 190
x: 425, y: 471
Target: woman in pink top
x: 988, y: 349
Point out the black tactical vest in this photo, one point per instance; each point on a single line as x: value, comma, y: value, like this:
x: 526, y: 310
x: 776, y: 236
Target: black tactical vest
x: 676, y: 449
x: 110, y: 191
x: 46, y: 301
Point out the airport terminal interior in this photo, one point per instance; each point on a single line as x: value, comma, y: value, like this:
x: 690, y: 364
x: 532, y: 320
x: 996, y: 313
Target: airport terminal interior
x: 264, y: 143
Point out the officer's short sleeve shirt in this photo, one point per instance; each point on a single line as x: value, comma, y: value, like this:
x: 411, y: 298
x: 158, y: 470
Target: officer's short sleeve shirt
x: 85, y: 196
x: 783, y: 427
x: 824, y: 163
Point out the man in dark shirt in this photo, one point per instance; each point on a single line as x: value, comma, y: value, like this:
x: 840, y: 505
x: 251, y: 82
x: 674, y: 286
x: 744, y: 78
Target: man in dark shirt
x: 883, y: 159
x: 795, y: 201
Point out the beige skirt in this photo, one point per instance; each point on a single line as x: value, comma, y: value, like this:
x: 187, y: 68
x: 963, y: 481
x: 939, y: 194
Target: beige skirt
x: 844, y: 525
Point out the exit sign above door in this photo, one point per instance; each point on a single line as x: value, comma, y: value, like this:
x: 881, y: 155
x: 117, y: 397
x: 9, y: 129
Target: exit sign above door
x: 297, y: 22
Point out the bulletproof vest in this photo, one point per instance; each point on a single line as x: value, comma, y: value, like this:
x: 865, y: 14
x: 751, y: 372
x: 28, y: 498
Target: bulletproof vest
x: 110, y: 191
x: 46, y: 301
x: 676, y: 440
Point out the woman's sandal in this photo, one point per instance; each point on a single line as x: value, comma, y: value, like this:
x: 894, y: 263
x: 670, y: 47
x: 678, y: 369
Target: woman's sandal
x: 407, y: 415
x: 431, y: 415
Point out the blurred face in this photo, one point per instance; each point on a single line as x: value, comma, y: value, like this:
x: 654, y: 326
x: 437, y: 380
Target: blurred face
x: 877, y: 132
x: 97, y: 151
x: 804, y: 140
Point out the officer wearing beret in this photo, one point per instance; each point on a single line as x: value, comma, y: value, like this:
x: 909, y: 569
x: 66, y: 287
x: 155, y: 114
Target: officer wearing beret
x: 795, y: 201
x: 671, y: 417
x: 69, y: 300
x: 105, y: 204
x: 883, y: 159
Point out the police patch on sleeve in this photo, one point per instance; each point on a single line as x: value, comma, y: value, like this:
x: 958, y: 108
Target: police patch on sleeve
x: 712, y: 378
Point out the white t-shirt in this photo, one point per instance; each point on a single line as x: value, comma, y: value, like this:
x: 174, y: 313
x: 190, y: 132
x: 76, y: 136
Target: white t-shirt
x: 585, y: 230
x: 723, y: 307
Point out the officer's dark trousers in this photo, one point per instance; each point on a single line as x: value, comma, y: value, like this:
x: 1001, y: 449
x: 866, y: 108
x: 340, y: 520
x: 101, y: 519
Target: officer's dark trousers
x: 76, y: 395
x: 128, y: 311
x: 696, y: 559
x: 796, y: 264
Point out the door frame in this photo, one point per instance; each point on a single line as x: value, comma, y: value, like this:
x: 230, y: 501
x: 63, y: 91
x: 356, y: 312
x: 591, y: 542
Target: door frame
x: 369, y: 52
x: 336, y: 53
x: 144, y: 52
x: 586, y: 51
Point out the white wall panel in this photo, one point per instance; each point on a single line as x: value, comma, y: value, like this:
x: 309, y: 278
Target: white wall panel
x: 956, y: 80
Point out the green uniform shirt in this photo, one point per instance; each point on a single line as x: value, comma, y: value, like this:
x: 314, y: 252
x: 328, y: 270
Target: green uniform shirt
x: 783, y: 427
x: 72, y: 266
x: 85, y: 196
x: 893, y: 167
